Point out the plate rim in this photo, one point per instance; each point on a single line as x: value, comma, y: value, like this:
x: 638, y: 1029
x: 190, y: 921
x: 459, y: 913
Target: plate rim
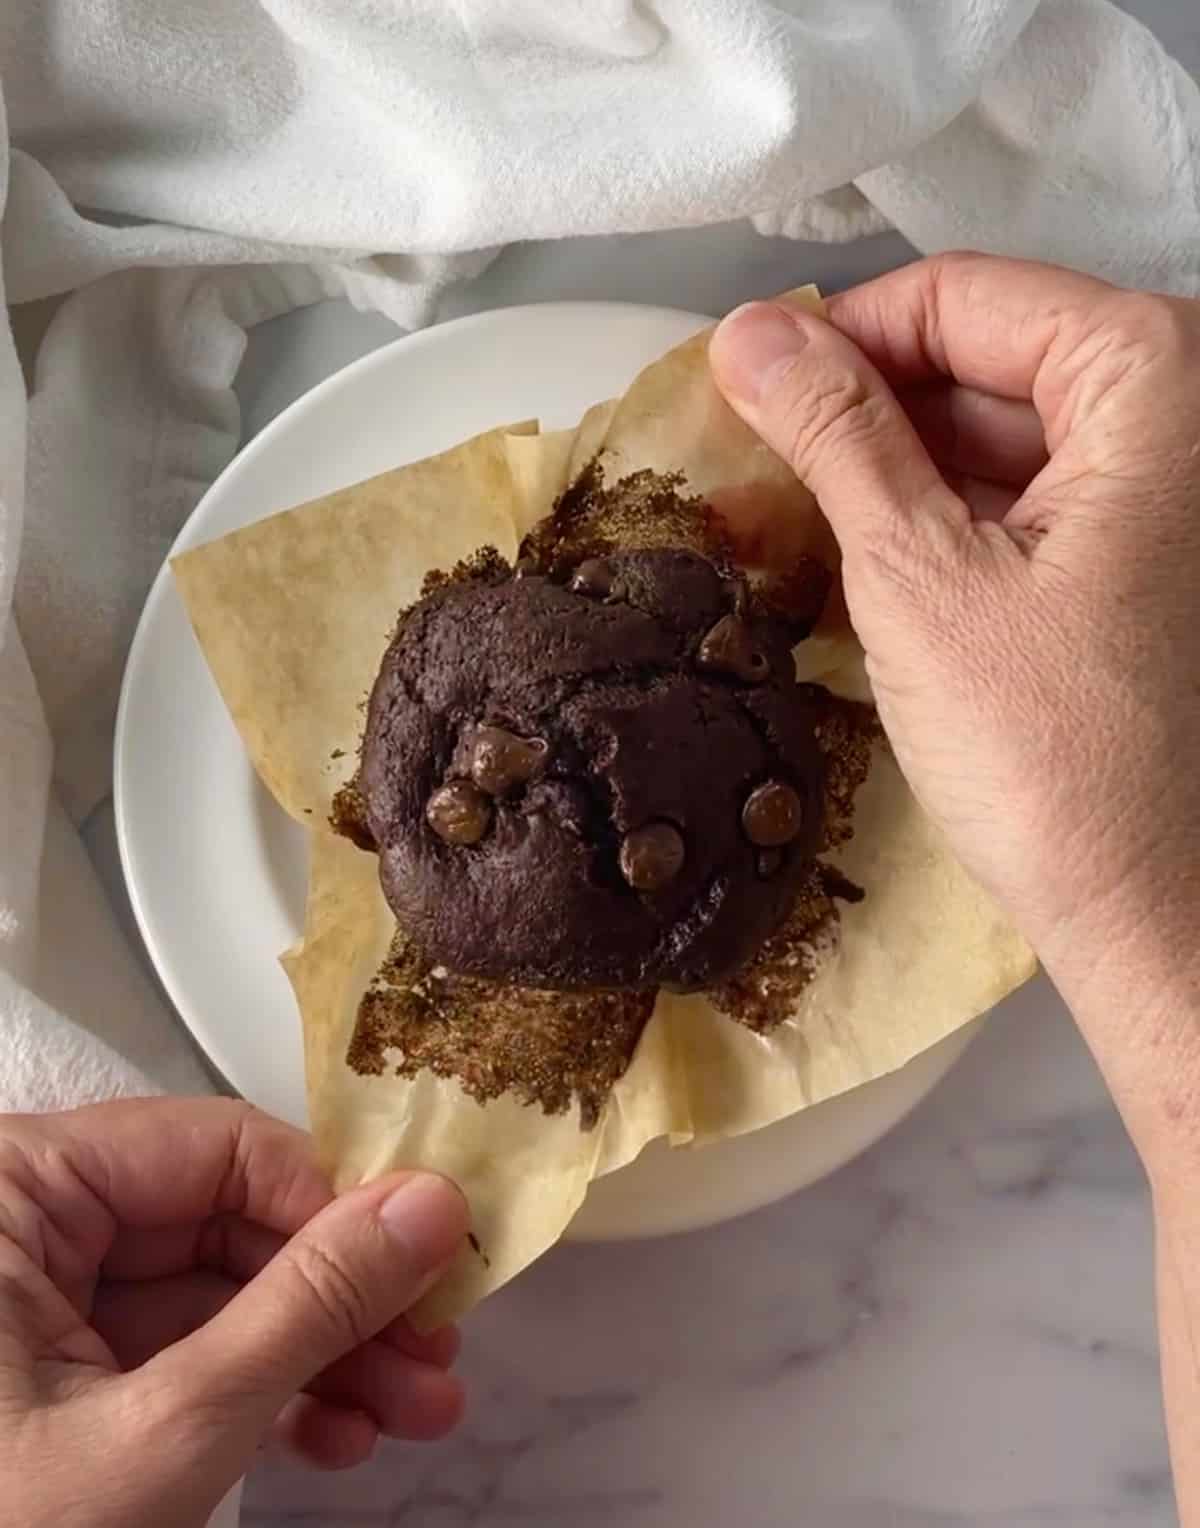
x: 190, y: 1014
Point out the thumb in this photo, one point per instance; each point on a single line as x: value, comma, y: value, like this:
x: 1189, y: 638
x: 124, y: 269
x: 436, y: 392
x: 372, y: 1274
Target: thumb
x: 357, y: 1265
x: 821, y: 405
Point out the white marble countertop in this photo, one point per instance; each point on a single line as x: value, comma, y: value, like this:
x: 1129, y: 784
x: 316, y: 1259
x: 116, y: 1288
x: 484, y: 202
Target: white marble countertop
x: 955, y: 1330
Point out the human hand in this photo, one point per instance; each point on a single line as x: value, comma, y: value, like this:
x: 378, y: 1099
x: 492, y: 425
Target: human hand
x: 1009, y: 456
x: 173, y: 1272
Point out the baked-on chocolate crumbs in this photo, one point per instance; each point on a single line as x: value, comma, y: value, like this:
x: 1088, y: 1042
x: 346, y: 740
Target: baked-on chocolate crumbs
x: 548, y: 1048
x: 763, y: 994
x: 484, y: 566
x: 553, y: 1048
x: 645, y: 509
x: 349, y: 817
x: 847, y: 735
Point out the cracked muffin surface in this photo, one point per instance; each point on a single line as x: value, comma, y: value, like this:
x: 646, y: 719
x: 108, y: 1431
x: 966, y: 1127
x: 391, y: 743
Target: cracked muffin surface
x: 605, y: 780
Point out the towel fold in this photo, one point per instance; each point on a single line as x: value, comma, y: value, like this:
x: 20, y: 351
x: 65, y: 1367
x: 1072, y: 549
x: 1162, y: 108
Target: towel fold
x: 189, y: 168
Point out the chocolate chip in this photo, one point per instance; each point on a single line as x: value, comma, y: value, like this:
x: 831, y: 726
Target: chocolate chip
x: 773, y: 815
x: 767, y: 862
x: 501, y: 760
x: 729, y: 649
x: 524, y: 567
x: 593, y: 576
x: 459, y: 813
x: 652, y: 856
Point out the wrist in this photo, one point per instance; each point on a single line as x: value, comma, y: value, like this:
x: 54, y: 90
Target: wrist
x: 1133, y: 988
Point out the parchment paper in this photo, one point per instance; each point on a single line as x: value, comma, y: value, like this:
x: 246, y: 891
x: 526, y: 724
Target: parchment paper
x: 293, y: 614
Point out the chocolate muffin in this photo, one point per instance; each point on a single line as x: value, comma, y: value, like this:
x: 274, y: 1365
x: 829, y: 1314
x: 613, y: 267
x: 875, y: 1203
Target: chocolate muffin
x: 604, y: 780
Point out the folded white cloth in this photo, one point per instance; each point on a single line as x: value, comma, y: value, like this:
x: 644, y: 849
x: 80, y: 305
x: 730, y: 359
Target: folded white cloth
x: 196, y: 166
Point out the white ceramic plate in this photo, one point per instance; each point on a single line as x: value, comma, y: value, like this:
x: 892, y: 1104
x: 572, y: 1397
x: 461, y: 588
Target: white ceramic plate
x: 216, y: 871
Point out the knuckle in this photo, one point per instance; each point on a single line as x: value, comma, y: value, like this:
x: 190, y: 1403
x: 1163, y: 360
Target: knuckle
x: 956, y: 262
x: 1163, y: 326
x: 1128, y: 353
x: 18, y: 1301
x: 963, y: 274
x: 246, y: 1122
x: 14, y: 1164
x: 234, y: 1191
x: 255, y: 1138
x: 331, y: 1286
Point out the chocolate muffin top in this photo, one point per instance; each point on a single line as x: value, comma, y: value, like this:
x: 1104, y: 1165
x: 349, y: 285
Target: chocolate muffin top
x: 604, y: 780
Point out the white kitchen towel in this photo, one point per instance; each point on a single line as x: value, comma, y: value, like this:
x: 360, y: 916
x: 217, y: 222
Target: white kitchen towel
x: 188, y: 168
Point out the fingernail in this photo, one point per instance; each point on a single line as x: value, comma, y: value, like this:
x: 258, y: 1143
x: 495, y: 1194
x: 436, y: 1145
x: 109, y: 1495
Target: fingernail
x: 751, y: 345
x: 428, y: 1217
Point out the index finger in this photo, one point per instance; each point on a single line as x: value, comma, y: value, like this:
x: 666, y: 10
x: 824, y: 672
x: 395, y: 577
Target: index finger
x: 161, y: 1162
x: 990, y: 323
